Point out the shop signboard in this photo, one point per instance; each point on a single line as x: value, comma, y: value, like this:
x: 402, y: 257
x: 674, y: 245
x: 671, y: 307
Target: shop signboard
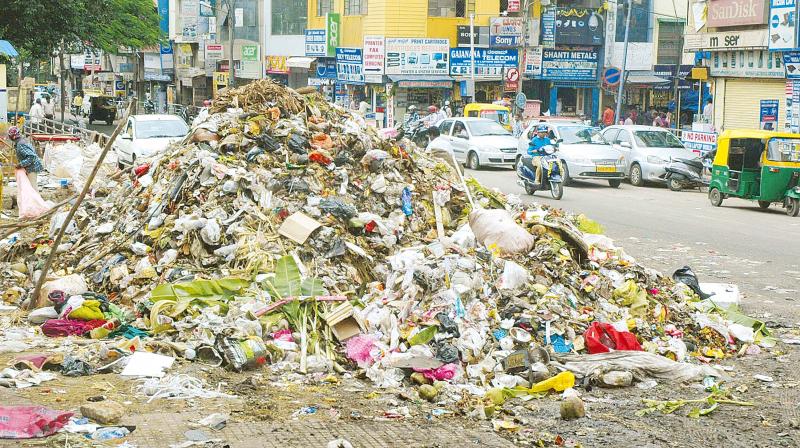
x: 699, y: 142
x: 533, y: 61
x: 727, y: 41
x: 163, y: 16
x: 488, y: 62
x: 481, y: 38
x: 411, y: 56
x: 549, y: 27
x: 728, y: 13
x: 769, y: 115
x: 666, y: 71
x: 332, y: 33
x: 167, y: 59
x: 326, y: 68
x: 250, y: 66
x: 506, y: 31
x: 782, y: 24
x: 316, y: 46
x: 214, y: 53
x: 350, y: 65
x: 190, y: 10
x: 207, y: 8
x: 579, y: 26
x: 513, y: 6
x: 374, y: 54
x: 276, y: 65
x: 569, y: 64
x: 747, y: 64
x: 791, y: 64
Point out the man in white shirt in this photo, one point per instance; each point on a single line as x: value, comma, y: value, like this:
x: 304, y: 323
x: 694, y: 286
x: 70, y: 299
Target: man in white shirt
x: 49, y: 106
x: 708, y: 111
x: 37, y: 112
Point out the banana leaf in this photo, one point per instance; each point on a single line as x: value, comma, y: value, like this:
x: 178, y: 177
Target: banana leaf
x: 199, y: 293
x: 313, y: 286
x: 287, y: 281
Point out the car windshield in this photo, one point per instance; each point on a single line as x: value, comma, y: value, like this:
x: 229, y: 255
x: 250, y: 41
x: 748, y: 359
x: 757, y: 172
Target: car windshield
x: 580, y: 134
x: 161, y: 129
x: 481, y: 128
x: 500, y: 116
x: 657, y: 139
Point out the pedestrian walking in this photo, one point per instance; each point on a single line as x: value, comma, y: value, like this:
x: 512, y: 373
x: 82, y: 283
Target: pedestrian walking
x: 629, y: 121
x: 27, y: 158
x: 37, y: 112
x: 708, y: 111
x: 49, y: 106
x: 608, y: 116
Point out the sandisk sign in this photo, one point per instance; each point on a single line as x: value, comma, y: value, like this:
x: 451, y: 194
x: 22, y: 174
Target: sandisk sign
x: 727, y: 13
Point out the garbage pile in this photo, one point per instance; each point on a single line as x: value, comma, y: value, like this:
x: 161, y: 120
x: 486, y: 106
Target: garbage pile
x: 284, y: 232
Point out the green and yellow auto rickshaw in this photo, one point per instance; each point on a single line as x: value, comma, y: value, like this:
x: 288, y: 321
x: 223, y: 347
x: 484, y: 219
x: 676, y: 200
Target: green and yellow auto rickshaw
x: 762, y: 166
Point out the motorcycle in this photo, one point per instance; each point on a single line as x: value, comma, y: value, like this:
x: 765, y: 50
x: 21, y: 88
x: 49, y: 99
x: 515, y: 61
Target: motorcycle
x: 149, y: 107
x: 686, y: 173
x: 551, y: 179
x: 416, y: 132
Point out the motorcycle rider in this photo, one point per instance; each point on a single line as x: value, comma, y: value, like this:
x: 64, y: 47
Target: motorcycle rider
x: 448, y: 111
x: 536, y: 149
x: 413, y: 116
x: 433, y: 117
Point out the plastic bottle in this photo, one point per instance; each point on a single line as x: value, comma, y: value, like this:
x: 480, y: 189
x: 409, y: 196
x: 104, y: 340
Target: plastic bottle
x: 407, y: 208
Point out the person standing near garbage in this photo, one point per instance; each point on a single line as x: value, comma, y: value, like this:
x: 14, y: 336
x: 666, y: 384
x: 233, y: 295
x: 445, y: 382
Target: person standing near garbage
x: 27, y: 158
x: 37, y: 112
x: 49, y: 106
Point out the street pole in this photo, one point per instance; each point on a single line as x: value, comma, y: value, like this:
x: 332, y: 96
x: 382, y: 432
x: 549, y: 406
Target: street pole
x: 231, y: 24
x: 472, y: 53
x: 623, y: 75
x: 61, y: 79
x: 523, y: 51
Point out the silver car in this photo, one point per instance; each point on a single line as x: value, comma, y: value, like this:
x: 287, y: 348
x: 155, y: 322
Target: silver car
x: 582, y: 150
x: 647, y: 150
x: 479, y: 142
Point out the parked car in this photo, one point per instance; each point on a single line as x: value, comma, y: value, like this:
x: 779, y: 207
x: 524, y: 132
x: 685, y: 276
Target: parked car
x: 583, y: 151
x: 479, y: 142
x: 145, y: 136
x: 647, y: 151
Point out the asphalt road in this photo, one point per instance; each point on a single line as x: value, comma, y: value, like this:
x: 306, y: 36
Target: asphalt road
x: 736, y: 243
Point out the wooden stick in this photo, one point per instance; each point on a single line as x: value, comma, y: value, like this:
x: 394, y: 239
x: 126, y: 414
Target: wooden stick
x: 36, y: 300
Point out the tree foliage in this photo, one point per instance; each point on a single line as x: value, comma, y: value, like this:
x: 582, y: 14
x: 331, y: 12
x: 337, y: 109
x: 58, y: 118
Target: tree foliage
x: 40, y: 26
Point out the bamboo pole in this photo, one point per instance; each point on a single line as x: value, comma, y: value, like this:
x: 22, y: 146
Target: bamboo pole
x: 36, y: 300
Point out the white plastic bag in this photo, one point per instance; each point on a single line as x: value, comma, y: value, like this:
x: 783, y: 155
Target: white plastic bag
x: 30, y: 203
x: 513, y: 276
x: 497, y: 231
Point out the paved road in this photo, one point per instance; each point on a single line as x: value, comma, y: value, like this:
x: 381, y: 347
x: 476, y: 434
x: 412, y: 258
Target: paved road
x: 737, y: 243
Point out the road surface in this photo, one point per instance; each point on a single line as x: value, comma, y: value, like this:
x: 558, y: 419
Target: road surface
x: 736, y: 243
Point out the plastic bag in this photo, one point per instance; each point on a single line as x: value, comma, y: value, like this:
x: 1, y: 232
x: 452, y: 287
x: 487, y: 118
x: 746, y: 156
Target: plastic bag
x: 498, y: 231
x: 602, y: 338
x: 643, y: 365
x: 30, y: 203
x: 27, y: 422
x: 686, y: 276
x: 513, y: 276
x: 64, y: 161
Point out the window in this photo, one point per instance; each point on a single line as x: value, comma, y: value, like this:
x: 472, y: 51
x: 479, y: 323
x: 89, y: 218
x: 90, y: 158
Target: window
x: 783, y: 150
x: 580, y: 134
x: 611, y: 135
x: 355, y: 7
x: 481, y: 128
x: 624, y: 136
x: 289, y: 17
x: 459, y: 130
x: 447, y: 8
x: 444, y: 127
x: 324, y: 7
x: 640, y: 22
x: 656, y: 139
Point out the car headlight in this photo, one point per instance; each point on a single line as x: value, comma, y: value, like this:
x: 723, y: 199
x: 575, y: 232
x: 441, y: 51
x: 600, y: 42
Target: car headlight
x: 656, y: 160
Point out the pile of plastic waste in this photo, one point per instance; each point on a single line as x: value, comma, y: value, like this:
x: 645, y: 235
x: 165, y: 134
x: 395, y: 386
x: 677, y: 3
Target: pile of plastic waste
x: 283, y: 231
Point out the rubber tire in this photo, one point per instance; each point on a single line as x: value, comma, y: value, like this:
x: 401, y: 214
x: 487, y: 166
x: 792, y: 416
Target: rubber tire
x: 565, y: 179
x: 614, y: 183
x: 636, y: 181
x: 674, y: 185
x: 528, y: 189
x: 792, y: 207
x: 763, y: 205
x: 473, y: 162
x: 558, y: 191
x: 715, y: 196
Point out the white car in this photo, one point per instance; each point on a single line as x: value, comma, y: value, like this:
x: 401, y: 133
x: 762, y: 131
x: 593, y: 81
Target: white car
x: 145, y: 136
x: 647, y: 150
x: 582, y: 150
x: 478, y: 142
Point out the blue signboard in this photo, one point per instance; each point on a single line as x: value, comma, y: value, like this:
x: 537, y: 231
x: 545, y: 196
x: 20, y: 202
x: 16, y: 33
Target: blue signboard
x: 769, y: 115
x: 350, y: 65
x: 791, y: 63
x: 487, y: 62
x: 505, y: 41
x: 315, y: 43
x: 782, y: 25
x: 326, y: 68
x: 549, y: 27
x: 163, y: 13
x: 569, y: 65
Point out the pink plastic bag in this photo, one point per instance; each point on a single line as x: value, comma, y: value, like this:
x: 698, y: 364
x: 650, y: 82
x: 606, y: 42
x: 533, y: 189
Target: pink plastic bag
x: 444, y: 373
x: 359, y: 348
x: 27, y: 422
x: 30, y: 203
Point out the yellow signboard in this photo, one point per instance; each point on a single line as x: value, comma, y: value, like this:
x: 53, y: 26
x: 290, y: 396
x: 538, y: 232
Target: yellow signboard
x: 220, y: 82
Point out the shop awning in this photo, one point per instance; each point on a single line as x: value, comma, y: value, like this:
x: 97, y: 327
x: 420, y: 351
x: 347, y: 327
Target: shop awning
x: 300, y: 62
x: 422, y: 81
x: 645, y: 77
x: 7, y: 49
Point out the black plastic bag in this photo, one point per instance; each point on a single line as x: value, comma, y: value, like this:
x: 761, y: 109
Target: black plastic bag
x: 298, y: 144
x: 686, y: 276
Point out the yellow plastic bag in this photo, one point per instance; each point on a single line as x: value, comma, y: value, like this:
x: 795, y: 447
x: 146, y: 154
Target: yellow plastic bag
x: 90, y: 310
x: 632, y: 296
x: 558, y: 383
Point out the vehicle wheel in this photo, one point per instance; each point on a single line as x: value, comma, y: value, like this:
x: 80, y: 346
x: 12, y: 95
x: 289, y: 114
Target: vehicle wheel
x: 614, y: 183
x: 636, y: 175
x: 557, y: 190
x: 120, y: 165
x: 517, y: 162
x: 715, y: 196
x: 674, y: 184
x: 565, y: 179
x: 763, y: 205
x: 109, y: 122
x: 792, y: 207
x: 529, y: 189
x: 472, y: 161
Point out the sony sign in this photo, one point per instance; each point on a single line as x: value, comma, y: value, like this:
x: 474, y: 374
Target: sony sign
x: 728, y: 13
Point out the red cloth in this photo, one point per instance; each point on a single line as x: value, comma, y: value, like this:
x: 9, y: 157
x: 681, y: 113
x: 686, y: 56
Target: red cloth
x: 602, y: 338
x: 27, y: 422
x: 69, y: 327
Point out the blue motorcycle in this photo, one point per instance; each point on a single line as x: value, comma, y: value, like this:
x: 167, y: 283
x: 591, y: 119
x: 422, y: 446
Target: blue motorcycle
x: 550, y: 176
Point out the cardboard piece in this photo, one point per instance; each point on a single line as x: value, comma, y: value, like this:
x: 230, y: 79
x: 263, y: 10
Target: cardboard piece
x: 298, y: 227
x: 342, y: 322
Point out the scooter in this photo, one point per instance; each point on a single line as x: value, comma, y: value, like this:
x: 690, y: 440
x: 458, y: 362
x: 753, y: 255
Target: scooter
x: 416, y: 132
x: 685, y: 173
x: 149, y: 107
x: 551, y: 179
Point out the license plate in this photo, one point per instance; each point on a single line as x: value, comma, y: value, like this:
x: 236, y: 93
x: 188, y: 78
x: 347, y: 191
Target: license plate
x: 606, y: 169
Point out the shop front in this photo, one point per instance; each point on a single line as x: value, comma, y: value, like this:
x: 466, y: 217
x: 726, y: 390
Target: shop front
x: 572, y: 74
x: 418, y: 90
x: 490, y: 66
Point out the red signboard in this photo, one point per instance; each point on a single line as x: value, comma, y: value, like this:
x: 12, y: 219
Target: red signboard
x: 513, y: 5
x: 727, y: 13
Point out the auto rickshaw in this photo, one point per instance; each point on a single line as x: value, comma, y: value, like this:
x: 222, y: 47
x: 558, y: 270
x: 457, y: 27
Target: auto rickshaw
x: 762, y: 166
x: 103, y: 108
x: 500, y: 114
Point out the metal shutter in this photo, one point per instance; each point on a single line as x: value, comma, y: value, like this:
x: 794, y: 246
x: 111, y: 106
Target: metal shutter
x: 743, y: 101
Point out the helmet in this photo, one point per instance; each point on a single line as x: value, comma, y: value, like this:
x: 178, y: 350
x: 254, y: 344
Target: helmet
x: 447, y: 103
x: 541, y: 128
x: 432, y: 109
x: 412, y: 108
x: 13, y: 133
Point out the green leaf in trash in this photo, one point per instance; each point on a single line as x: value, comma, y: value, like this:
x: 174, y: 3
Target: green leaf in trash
x: 219, y: 289
x: 287, y: 281
x: 423, y: 336
x: 587, y: 225
x: 313, y: 286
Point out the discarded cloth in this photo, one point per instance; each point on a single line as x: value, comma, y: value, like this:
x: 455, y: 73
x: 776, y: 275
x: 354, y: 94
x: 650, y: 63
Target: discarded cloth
x: 27, y: 422
x: 603, y: 337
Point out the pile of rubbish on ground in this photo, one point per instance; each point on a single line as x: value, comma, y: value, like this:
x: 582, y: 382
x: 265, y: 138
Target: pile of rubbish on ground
x: 285, y: 232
